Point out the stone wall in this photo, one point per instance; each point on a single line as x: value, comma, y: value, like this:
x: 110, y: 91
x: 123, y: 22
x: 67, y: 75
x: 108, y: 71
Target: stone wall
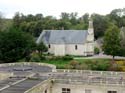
x: 29, y: 63
x: 70, y: 49
x: 80, y: 51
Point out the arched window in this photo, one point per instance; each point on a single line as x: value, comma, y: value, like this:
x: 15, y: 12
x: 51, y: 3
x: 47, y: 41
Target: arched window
x: 45, y: 91
x: 76, y: 47
x: 49, y: 46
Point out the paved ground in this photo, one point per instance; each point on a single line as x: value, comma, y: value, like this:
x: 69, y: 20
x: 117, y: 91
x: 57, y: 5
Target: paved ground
x: 26, y: 68
x: 22, y: 86
x: 100, y: 56
x: 19, y: 82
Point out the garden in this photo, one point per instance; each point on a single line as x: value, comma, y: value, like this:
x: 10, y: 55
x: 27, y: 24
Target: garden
x: 68, y: 62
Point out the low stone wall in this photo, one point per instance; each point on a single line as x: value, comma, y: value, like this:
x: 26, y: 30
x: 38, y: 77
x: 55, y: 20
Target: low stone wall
x: 29, y: 63
x: 90, y: 72
x: 5, y: 75
x: 90, y: 82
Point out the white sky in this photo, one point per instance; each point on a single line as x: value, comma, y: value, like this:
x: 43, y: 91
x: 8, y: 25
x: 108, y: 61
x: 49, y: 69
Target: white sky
x: 55, y: 7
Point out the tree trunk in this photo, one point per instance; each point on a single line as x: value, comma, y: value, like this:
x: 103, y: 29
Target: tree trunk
x: 113, y: 59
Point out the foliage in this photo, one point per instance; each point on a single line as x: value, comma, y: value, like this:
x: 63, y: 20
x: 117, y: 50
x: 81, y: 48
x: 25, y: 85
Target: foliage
x: 15, y: 45
x: 117, y: 16
x: 35, y: 24
x: 41, y: 47
x: 122, y: 42
x: 111, y: 45
x: 63, y: 58
x: 42, y: 57
x: 121, y: 65
x: 35, y: 58
x: 82, y: 64
x: 96, y: 50
x: 67, y: 57
x: 73, y: 64
x: 100, y: 24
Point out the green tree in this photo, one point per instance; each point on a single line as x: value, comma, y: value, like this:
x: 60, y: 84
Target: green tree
x: 111, y: 45
x: 0, y: 21
x: 122, y: 41
x: 15, y: 45
x: 17, y: 20
x: 65, y: 16
x: 100, y: 24
x: 117, y: 16
x: 41, y: 48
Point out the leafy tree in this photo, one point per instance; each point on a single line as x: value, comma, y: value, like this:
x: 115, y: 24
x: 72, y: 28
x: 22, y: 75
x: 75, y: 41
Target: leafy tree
x: 122, y: 41
x: 41, y: 47
x: 1, y: 20
x: 15, y: 45
x: 111, y: 45
x: 17, y: 20
x: 73, y: 18
x: 117, y: 17
x: 34, y: 24
x: 100, y: 24
x: 65, y: 16
x: 85, y: 18
x: 96, y: 50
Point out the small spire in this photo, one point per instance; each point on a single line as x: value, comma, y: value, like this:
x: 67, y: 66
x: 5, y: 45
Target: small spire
x: 90, y: 22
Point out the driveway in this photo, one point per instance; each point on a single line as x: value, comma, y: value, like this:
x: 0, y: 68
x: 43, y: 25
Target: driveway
x: 103, y: 56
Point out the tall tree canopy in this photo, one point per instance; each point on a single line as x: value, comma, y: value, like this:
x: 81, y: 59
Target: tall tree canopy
x: 35, y: 24
x: 111, y: 45
x: 15, y: 45
x: 100, y: 25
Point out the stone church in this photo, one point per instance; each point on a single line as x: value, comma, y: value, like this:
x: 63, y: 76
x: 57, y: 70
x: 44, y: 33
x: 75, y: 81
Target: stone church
x: 69, y: 42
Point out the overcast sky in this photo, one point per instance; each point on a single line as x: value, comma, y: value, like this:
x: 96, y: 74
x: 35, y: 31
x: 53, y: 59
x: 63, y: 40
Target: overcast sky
x: 55, y: 7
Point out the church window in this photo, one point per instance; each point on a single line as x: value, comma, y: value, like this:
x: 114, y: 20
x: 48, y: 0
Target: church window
x: 45, y: 91
x: 76, y: 47
x: 66, y: 90
x: 49, y: 46
x: 112, y: 92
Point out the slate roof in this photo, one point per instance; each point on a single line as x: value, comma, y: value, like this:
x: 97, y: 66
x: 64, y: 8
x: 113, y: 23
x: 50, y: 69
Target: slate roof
x: 63, y: 36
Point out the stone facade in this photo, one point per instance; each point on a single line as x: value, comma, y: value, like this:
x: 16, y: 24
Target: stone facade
x: 79, y: 88
x: 72, y: 49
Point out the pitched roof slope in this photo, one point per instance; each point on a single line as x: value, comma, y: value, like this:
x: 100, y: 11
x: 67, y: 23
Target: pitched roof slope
x: 63, y: 36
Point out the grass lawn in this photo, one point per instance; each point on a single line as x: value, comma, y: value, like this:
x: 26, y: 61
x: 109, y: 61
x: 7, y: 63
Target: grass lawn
x: 98, y: 59
x: 58, y: 63
x: 62, y: 64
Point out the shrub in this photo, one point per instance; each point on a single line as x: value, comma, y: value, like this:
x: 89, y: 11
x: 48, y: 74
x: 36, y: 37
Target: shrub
x: 67, y: 57
x: 96, y: 50
x: 15, y: 45
x: 35, y: 58
x: 74, y: 64
x: 42, y: 57
x: 83, y: 66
